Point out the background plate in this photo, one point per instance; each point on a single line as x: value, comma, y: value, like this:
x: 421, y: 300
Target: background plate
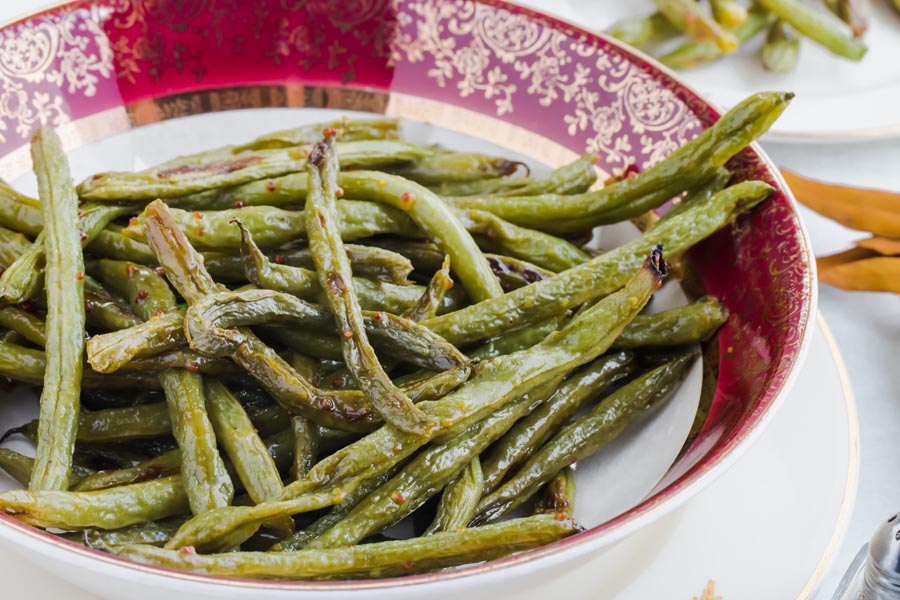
x: 836, y: 100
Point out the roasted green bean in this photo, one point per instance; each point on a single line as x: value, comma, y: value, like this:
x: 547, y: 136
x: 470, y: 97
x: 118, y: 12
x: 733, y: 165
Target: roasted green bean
x: 24, y: 323
x: 303, y: 283
x: 640, y: 31
x: 531, y: 432
x: 348, y: 130
x: 819, y: 26
x: 430, y: 302
x: 205, y: 479
x: 690, y: 17
x: 496, y: 382
x: 60, y: 395
x: 187, y: 176
x: 781, y: 49
x: 335, y: 278
x: 383, y: 559
x: 459, y: 500
x: 695, y: 53
x: 552, y: 296
x: 573, y: 178
x: 680, y: 326
x: 583, y: 437
x: 113, y: 508
x: 631, y: 197
x: 559, y: 494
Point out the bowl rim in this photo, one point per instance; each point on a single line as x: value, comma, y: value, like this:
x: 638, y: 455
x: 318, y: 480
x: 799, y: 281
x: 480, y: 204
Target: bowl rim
x: 650, y: 509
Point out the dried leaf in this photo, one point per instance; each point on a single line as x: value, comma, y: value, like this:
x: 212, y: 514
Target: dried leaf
x: 882, y: 245
x: 879, y: 274
x: 823, y: 263
x: 869, y: 210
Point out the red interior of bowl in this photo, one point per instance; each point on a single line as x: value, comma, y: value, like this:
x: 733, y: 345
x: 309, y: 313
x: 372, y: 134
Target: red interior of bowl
x: 579, y: 90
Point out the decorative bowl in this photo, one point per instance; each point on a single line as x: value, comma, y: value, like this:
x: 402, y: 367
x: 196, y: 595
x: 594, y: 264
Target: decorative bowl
x: 115, y: 74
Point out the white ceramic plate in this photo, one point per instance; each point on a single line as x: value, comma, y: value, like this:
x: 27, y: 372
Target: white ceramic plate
x: 836, y: 100
x: 767, y: 529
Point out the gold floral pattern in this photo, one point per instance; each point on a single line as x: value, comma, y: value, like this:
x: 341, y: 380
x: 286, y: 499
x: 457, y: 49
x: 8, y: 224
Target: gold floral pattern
x: 617, y: 107
x: 39, y: 57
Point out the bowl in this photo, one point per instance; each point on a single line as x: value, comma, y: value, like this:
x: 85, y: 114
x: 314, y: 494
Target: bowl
x: 130, y: 83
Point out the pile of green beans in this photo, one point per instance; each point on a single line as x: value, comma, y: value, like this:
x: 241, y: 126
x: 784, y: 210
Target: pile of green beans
x: 285, y: 371
x: 719, y: 29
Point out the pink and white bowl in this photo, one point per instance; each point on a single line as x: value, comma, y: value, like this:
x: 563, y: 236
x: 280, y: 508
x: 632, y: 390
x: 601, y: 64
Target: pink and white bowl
x: 104, y: 71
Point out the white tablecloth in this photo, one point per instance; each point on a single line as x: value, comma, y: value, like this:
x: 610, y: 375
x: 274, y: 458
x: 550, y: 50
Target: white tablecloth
x: 867, y: 328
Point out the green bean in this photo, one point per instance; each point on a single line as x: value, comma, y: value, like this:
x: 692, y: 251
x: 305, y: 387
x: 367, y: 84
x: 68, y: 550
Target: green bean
x: 584, y: 436
x: 424, y: 476
x: 368, y: 262
x: 20, y: 467
x: 61, y: 390
x: 688, y: 16
x: 554, y: 295
x: 496, y: 382
x: 112, y: 243
x: 559, y: 495
x: 285, y: 191
x: 517, y: 339
x: 348, y: 130
x: 12, y: 246
x: 113, y: 508
x: 24, y: 323
x: 514, y: 273
x: 531, y: 432
x: 241, y: 443
x: 854, y: 13
x: 24, y: 277
x: 698, y: 195
x: 690, y: 324
x: 144, y: 288
x: 459, y: 500
x: 108, y: 352
x: 185, y: 270
x: 542, y: 249
x: 382, y: 559
x: 28, y: 366
x: 436, y: 219
x: 272, y: 227
x: 186, y: 175
x: 782, y: 48
x: 303, y: 283
x: 145, y: 420
x: 206, y: 481
x: 728, y: 13
x: 442, y: 166
x: 640, y: 31
x: 631, y: 197
x: 169, y: 463
x: 430, y: 302
x: 154, y: 533
x: 300, y: 539
x: 818, y: 26
x: 335, y: 278
x: 181, y: 359
x: 573, y: 178
x: 105, y: 311
x: 19, y: 212
x: 209, y: 325
x: 306, y: 445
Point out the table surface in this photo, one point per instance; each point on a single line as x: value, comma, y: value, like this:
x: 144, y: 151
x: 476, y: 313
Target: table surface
x: 866, y: 325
